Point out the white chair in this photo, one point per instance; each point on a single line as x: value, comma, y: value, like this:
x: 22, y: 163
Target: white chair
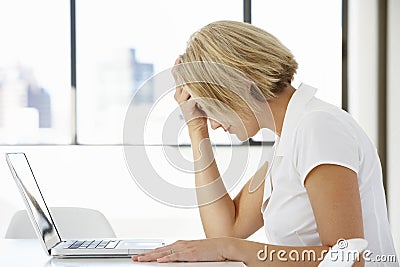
x: 344, y: 253
x: 71, y: 222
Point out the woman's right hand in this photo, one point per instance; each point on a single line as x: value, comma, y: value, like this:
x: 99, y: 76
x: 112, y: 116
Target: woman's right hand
x: 195, y: 118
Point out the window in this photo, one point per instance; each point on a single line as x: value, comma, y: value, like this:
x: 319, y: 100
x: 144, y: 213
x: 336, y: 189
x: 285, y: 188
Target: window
x: 123, y: 44
x: 120, y: 44
x: 35, y: 72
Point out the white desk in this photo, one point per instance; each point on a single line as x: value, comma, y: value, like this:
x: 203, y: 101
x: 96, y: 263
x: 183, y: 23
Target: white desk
x: 28, y: 252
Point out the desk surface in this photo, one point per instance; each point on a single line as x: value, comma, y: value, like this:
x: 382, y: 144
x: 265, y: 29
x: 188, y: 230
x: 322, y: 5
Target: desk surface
x: 28, y: 252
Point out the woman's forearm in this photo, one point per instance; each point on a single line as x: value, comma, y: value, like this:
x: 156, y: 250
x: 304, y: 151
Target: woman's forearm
x: 217, y: 209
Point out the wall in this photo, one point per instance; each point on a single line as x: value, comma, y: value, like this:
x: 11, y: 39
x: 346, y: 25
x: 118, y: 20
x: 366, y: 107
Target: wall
x: 393, y: 117
x: 363, y: 68
x: 363, y: 88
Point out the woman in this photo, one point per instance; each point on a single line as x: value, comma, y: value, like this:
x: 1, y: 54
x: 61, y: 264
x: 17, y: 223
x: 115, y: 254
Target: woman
x: 325, y: 183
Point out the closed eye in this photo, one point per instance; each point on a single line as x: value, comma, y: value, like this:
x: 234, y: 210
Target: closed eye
x: 199, y: 107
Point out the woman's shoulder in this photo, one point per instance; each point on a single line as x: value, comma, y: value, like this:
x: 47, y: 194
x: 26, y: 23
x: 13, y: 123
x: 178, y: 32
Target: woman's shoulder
x: 323, y: 114
x: 324, y: 117
x: 323, y: 122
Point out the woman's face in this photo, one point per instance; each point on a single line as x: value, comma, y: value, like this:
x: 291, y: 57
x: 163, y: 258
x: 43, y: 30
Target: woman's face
x: 244, y: 125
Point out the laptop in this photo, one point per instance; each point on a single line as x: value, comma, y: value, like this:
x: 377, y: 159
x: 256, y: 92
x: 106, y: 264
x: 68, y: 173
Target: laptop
x: 47, y: 231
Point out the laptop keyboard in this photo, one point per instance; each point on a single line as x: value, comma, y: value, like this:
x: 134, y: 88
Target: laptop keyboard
x: 94, y: 244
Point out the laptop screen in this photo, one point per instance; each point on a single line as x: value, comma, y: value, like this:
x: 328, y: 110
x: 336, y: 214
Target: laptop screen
x: 35, y: 205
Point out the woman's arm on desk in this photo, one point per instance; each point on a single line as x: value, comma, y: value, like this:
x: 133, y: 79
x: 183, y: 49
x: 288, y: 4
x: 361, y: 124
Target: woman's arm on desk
x: 334, y: 196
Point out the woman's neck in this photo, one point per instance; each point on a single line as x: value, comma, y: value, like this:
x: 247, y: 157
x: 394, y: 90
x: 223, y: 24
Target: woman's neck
x: 279, y: 106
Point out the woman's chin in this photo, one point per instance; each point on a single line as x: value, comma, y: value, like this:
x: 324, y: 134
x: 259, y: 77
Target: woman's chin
x: 242, y: 138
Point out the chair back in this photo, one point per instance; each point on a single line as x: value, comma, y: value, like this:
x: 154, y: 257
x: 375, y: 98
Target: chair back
x: 71, y: 222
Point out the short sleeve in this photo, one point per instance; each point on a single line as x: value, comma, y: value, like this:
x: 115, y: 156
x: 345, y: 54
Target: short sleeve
x: 322, y: 138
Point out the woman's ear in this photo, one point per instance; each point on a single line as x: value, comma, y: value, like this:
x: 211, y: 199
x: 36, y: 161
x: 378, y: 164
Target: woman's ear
x: 256, y: 93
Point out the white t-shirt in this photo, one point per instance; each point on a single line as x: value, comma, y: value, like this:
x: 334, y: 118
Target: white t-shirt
x: 315, y: 132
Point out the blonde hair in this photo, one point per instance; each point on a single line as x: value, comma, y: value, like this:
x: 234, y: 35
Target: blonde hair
x: 255, y: 53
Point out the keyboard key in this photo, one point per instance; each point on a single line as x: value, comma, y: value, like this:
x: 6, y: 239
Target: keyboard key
x: 112, y: 244
x: 103, y: 244
x: 86, y: 244
x: 68, y: 244
x: 94, y: 244
x: 77, y: 244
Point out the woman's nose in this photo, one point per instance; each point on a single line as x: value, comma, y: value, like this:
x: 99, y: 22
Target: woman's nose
x: 214, y: 124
